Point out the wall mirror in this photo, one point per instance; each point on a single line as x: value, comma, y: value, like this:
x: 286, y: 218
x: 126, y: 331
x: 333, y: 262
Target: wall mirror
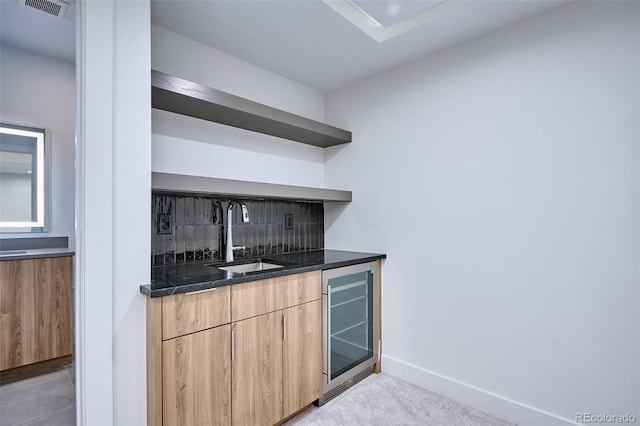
x: 24, y: 183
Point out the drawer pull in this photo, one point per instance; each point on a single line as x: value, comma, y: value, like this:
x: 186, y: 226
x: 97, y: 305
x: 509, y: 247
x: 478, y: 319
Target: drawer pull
x: 200, y: 291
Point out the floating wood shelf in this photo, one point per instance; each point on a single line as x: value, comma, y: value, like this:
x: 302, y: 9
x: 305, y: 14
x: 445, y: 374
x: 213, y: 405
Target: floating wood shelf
x: 168, y: 182
x: 184, y: 97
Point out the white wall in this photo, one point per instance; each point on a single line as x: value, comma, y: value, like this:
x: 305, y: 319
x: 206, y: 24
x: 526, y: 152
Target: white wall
x: 39, y: 91
x: 501, y: 178
x: 195, y: 147
x: 15, y: 196
x: 114, y: 209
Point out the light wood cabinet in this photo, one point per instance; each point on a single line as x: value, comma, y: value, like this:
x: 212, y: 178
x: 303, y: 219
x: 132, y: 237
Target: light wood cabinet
x: 302, y: 356
x: 189, y: 359
x: 257, y: 370
x: 284, y: 329
x: 260, y: 297
x: 196, y: 371
x: 245, y: 354
x: 36, y: 315
x: 187, y: 313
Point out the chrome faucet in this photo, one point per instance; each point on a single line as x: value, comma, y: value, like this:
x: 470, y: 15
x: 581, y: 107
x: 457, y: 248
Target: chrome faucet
x: 216, y: 207
x: 245, y: 219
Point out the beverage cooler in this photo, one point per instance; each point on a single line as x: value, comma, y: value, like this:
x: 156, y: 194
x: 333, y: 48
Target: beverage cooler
x: 350, y: 348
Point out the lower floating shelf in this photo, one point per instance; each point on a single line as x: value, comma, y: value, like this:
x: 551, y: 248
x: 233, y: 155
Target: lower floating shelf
x: 169, y: 182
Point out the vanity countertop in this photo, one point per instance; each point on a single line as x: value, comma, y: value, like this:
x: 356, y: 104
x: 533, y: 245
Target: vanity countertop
x: 202, y: 275
x: 34, y: 248
x: 35, y: 253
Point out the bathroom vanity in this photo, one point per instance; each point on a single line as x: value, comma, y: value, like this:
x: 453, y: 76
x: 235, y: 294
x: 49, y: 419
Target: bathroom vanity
x: 36, y: 311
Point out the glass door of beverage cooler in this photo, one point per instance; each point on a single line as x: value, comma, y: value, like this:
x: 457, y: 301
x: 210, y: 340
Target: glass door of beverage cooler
x: 349, y: 331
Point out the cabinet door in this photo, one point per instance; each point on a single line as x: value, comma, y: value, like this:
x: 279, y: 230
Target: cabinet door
x: 302, y: 356
x: 35, y: 310
x: 197, y: 378
x: 16, y: 292
x: 257, y: 370
x: 54, y: 302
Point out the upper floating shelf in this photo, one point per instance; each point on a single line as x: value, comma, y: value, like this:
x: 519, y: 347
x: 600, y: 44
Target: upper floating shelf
x: 185, y: 97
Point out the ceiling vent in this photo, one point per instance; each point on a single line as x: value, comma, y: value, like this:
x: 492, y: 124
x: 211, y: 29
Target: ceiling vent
x: 52, y: 7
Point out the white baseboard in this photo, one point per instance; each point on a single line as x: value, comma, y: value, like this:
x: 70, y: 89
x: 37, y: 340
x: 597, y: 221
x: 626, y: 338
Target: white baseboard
x: 472, y: 396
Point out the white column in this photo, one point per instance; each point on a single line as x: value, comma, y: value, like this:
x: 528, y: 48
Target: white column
x: 131, y: 206
x: 113, y: 162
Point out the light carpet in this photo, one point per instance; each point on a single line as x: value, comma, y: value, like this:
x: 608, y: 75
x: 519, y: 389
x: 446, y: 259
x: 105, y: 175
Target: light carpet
x: 384, y: 400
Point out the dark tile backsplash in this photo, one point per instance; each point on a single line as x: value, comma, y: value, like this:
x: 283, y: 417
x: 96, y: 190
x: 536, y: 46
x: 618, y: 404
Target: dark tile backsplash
x: 198, y: 228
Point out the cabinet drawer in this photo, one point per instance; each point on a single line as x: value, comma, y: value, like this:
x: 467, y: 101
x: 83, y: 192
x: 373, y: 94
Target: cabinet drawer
x: 187, y: 313
x: 260, y: 297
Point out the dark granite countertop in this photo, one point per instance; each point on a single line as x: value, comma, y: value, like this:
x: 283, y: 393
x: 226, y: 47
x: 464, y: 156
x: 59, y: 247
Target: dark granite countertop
x: 188, y: 277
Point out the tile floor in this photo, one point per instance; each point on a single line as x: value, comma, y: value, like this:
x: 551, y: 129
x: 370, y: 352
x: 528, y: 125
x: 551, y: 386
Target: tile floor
x: 48, y: 399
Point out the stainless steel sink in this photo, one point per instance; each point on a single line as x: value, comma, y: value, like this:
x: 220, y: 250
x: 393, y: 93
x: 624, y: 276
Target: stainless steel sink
x: 250, y: 267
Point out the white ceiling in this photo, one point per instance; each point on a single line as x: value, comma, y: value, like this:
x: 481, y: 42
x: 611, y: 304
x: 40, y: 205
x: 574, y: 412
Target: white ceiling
x: 390, y: 12
x: 37, y: 31
x: 309, y: 42
x: 304, y: 40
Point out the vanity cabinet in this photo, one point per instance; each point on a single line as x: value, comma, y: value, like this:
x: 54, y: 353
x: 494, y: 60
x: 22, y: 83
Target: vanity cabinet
x: 36, y: 315
x: 243, y: 354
